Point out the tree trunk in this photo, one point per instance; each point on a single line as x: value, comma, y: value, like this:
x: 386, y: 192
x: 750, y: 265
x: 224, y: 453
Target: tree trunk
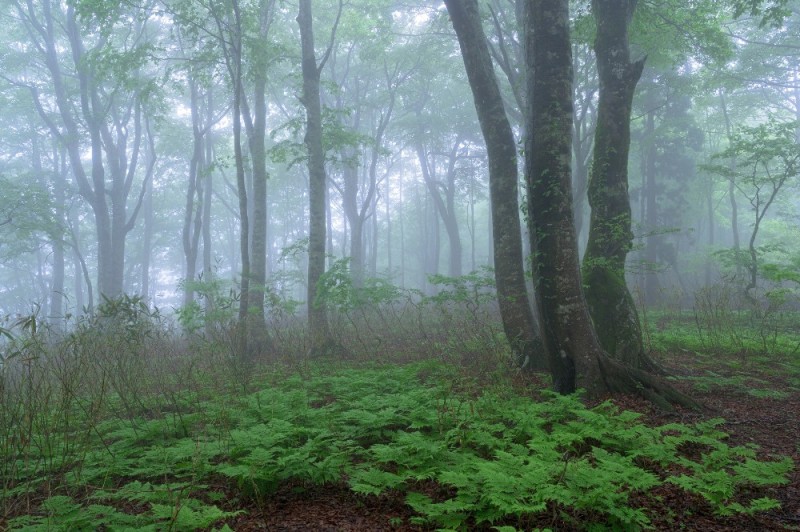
x: 256, y: 133
x: 444, y: 206
x: 610, y: 236
x: 515, y: 310
x: 650, y: 204
x: 737, y: 247
x: 147, y: 241
x: 235, y: 67
x: 322, y: 342
x: 190, y: 235
x: 100, y: 111
x: 59, y: 261
x: 576, y: 357
x: 568, y: 335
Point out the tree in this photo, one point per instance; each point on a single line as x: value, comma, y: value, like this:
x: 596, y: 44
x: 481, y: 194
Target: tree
x: 610, y: 236
x: 518, y: 320
x: 255, y: 128
x: 767, y: 159
x: 105, y: 76
x: 568, y: 335
x: 576, y: 358
x: 322, y: 342
x: 368, y: 69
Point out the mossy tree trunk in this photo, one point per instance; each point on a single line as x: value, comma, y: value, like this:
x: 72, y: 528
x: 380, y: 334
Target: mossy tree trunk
x: 576, y: 358
x: 518, y: 321
x: 569, y: 338
x: 610, y: 236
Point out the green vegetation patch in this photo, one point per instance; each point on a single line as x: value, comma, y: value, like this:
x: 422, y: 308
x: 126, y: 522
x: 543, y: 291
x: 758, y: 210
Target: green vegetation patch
x: 459, y: 455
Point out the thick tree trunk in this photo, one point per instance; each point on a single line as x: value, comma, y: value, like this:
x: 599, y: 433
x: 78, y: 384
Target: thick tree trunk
x: 576, y: 357
x: 567, y: 331
x: 515, y: 310
x: 610, y: 236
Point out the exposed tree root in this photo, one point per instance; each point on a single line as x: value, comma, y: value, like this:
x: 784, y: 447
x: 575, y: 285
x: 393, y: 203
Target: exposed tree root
x: 622, y: 379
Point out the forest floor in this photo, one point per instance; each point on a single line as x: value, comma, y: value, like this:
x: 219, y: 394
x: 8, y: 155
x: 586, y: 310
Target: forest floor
x: 758, y: 399
x: 364, y: 446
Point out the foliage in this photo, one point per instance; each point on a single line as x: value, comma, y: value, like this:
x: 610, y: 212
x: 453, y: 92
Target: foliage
x: 219, y: 308
x: 25, y: 217
x: 462, y: 455
x: 771, y: 12
x: 337, y: 290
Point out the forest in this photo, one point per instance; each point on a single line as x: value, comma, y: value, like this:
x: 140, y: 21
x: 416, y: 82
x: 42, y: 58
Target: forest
x: 389, y: 265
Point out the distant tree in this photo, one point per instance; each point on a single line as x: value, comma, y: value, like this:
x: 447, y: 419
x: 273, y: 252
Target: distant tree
x: 93, y: 95
x: 228, y: 22
x: 767, y: 160
x: 322, y: 342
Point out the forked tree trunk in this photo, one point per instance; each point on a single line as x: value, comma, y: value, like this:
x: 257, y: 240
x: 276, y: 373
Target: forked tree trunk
x: 610, y: 236
x: 576, y: 357
x: 518, y: 321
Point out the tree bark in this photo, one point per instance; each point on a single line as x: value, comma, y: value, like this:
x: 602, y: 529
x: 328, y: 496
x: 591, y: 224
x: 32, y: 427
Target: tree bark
x: 567, y: 330
x: 192, y: 215
x: 515, y: 309
x: 610, y: 236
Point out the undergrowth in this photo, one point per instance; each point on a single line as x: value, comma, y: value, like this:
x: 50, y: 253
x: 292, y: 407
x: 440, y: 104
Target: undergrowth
x: 462, y: 455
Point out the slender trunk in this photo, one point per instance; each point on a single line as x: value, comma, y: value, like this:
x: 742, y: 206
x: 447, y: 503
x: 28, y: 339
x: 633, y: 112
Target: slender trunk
x: 650, y: 196
x: 388, y: 231
x: 208, y: 183
x: 444, y: 206
x: 737, y: 247
x: 241, y: 181
x: 193, y: 207
x: 515, y: 310
x: 402, y: 227
x: 59, y: 262
x: 321, y: 339
x: 258, y: 159
x: 147, y: 242
x: 354, y: 221
x: 373, y: 257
